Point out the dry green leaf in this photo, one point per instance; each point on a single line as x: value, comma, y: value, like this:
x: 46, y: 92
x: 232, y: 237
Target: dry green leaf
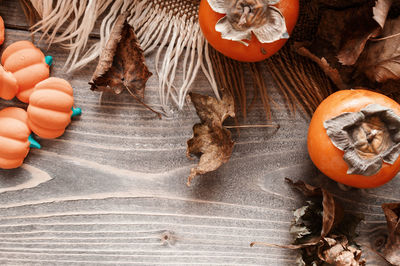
x: 381, y: 60
x: 391, y: 252
x: 211, y: 141
x: 121, y: 65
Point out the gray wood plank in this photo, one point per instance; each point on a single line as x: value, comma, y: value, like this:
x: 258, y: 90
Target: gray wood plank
x: 112, y: 189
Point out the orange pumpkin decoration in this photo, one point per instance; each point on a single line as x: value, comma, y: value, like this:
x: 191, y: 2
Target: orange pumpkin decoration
x: 14, y: 135
x: 8, y: 85
x: 49, y: 110
x: 1, y: 30
x: 28, y: 64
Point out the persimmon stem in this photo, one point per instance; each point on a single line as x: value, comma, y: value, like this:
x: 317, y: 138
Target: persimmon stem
x: 246, y: 11
x: 255, y: 126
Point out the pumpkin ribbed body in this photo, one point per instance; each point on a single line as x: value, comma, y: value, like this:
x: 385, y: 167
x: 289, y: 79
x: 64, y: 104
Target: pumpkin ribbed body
x: 14, y: 134
x: 28, y: 65
x: 1, y: 30
x: 8, y: 85
x: 49, y: 110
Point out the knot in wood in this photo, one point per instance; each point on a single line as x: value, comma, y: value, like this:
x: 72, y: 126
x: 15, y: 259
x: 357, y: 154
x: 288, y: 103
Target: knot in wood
x: 168, y: 238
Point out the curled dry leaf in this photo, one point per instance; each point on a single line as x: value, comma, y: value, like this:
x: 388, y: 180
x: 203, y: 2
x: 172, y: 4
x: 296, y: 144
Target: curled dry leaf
x: 211, y: 141
x: 391, y: 252
x: 363, y: 26
x: 322, y: 232
x: 337, y: 251
x: 121, y: 65
x: 332, y: 211
x: 381, y: 59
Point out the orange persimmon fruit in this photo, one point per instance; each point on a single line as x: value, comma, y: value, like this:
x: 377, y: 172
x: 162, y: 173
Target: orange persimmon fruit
x: 28, y: 64
x: 255, y: 51
x: 50, y: 107
x: 14, y: 137
x: 327, y: 155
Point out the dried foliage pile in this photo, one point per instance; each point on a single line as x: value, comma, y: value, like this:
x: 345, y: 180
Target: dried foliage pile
x: 325, y: 234
x: 322, y: 231
x: 356, y: 44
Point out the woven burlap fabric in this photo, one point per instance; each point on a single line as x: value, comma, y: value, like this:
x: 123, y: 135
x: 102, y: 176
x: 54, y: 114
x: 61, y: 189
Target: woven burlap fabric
x: 169, y: 26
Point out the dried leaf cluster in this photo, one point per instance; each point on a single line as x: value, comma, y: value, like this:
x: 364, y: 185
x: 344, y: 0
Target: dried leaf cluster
x: 322, y: 232
x: 325, y: 234
x: 211, y: 141
x: 356, y: 44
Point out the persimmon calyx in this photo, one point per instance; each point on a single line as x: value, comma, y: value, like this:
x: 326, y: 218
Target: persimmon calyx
x: 368, y: 138
x: 244, y: 17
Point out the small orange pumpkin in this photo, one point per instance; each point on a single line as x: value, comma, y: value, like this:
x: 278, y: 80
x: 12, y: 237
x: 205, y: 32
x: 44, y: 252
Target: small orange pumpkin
x: 14, y: 135
x: 1, y: 30
x: 49, y: 110
x: 28, y: 64
x: 8, y: 85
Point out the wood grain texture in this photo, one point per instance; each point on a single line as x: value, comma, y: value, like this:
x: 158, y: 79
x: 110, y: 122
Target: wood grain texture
x: 112, y: 190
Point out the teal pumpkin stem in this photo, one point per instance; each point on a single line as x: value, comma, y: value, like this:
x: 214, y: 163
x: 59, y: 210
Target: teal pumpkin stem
x: 34, y: 143
x: 76, y: 111
x: 49, y: 60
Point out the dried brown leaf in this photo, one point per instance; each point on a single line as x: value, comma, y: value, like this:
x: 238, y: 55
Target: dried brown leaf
x: 361, y: 28
x: 391, y: 252
x: 337, y: 251
x: 381, y: 59
x: 211, y: 141
x: 121, y: 65
x: 332, y: 211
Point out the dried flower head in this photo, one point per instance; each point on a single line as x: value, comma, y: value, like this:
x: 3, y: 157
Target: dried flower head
x: 244, y: 17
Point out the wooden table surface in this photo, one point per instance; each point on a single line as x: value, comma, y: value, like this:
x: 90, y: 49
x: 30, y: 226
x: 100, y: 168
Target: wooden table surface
x: 112, y: 189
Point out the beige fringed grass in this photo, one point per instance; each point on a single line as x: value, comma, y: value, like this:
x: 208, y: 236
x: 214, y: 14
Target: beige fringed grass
x: 164, y: 27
